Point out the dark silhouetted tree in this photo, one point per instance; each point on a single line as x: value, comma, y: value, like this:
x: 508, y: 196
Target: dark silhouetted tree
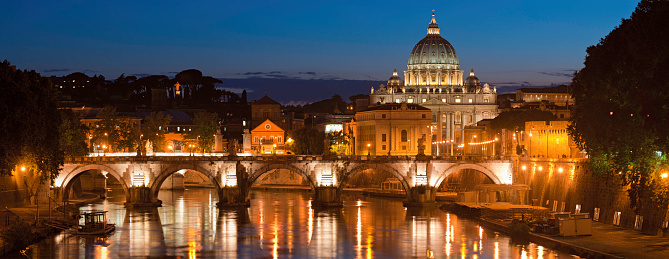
x: 622, y: 103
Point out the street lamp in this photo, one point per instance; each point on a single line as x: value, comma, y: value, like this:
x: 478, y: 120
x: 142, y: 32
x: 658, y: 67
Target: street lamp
x: 530, y: 154
x: 368, y: 145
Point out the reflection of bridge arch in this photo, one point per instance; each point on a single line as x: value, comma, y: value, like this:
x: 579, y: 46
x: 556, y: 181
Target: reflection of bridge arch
x: 254, y: 175
x: 461, y: 166
x: 72, y: 175
x: 172, y: 169
x: 374, y: 166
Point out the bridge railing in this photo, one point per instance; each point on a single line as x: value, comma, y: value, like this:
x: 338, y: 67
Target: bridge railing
x: 385, y: 158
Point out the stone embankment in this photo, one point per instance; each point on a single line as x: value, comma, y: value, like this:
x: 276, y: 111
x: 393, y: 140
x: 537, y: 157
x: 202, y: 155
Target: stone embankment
x: 606, y: 241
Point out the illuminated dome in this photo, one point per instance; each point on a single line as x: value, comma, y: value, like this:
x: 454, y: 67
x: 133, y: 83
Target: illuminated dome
x: 472, y: 80
x: 433, y: 51
x: 395, y: 80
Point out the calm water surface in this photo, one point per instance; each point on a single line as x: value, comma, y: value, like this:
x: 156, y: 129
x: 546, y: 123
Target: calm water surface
x: 282, y: 224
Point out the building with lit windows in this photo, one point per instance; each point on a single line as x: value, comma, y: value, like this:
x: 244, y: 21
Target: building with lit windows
x: 391, y: 129
x: 268, y: 138
x: 434, y: 80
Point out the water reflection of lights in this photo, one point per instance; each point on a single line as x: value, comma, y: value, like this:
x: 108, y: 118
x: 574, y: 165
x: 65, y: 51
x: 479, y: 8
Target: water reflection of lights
x: 496, y: 252
x: 523, y: 253
x: 540, y: 252
x: 192, y: 250
x: 275, y: 233
x: 358, y: 248
x: 310, y: 223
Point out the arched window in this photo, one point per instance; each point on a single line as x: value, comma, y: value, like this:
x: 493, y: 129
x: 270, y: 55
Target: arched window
x: 404, y: 136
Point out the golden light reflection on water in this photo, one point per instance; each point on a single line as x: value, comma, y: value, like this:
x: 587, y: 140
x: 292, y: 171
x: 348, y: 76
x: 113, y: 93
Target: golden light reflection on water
x: 192, y: 250
x: 280, y: 224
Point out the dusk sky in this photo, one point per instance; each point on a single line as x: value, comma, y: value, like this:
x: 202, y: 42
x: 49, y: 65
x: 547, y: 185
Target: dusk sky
x: 506, y: 42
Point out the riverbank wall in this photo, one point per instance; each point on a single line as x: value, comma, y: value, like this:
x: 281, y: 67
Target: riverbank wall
x: 565, y: 185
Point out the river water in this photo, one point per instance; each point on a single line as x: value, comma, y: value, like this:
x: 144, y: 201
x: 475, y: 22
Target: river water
x: 281, y: 224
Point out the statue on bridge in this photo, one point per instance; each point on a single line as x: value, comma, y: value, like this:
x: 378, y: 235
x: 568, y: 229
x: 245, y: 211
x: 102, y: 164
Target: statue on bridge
x: 149, y: 148
x: 421, y: 146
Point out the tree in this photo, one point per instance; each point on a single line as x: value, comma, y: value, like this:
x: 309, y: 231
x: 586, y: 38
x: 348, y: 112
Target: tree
x: 622, y: 96
x: 106, y: 134
x: 206, y: 126
x: 307, y: 141
x: 153, y: 129
x: 29, y: 123
x: 338, y: 141
x: 73, y: 134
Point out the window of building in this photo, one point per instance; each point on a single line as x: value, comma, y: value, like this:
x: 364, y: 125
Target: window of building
x: 404, y: 147
x: 485, y: 100
x: 403, y: 136
x: 471, y: 100
x: 423, y: 115
x: 424, y: 100
x: 383, y: 137
x: 383, y: 147
x: 256, y: 139
x: 410, y: 101
x: 279, y: 139
x: 443, y: 100
x: 561, y: 116
x: 383, y: 116
x: 457, y: 100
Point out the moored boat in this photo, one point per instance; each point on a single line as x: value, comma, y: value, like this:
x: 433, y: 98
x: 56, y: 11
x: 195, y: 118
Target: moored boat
x: 95, y: 223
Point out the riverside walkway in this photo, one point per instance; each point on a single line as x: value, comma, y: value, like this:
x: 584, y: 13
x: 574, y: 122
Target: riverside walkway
x: 615, y: 242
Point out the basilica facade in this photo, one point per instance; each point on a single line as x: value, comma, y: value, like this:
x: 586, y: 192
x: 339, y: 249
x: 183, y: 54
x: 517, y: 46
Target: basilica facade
x: 434, y: 80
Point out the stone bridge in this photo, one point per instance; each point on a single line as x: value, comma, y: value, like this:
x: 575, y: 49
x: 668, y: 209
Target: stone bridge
x: 141, y: 177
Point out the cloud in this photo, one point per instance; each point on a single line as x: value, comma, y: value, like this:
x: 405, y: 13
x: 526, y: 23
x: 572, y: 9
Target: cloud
x: 509, y: 83
x: 140, y: 75
x: 562, y: 73
x: 86, y: 71
x: 56, y: 70
x: 307, y: 73
x: 171, y: 73
x: 295, y: 103
x: 236, y: 90
x: 261, y: 73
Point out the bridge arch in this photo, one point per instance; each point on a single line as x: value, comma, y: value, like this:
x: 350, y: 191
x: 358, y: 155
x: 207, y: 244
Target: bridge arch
x: 375, y: 166
x: 255, y: 174
x: 69, y: 178
x: 461, y: 166
x: 172, y: 169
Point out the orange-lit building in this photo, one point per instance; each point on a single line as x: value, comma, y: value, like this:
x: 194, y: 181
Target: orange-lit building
x: 268, y: 138
x: 392, y: 128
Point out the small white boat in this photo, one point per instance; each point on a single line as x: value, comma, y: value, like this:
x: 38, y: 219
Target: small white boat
x: 95, y: 223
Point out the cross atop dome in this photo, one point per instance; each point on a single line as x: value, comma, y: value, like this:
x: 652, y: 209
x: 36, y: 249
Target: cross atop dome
x: 433, y: 28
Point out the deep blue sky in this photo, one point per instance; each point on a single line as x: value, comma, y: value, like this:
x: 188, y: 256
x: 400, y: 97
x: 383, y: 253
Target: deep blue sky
x: 506, y: 42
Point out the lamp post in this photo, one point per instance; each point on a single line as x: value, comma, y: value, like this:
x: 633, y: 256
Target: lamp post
x: 368, y: 146
x: 530, y: 154
x: 452, y: 147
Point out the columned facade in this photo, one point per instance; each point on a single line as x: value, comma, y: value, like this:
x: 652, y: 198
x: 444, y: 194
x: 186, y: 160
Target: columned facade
x: 434, y: 80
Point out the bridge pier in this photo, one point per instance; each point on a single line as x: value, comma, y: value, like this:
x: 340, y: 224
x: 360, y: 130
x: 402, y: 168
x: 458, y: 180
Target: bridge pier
x: 230, y: 197
x: 140, y: 196
x: 421, y: 196
x: 327, y: 197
